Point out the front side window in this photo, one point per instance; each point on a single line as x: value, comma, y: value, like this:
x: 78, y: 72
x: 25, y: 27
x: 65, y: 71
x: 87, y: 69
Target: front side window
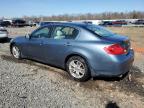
x: 64, y: 32
x: 42, y: 33
x: 100, y: 30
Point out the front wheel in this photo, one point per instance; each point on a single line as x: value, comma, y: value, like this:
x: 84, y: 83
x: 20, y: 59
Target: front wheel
x: 78, y: 68
x: 16, y: 52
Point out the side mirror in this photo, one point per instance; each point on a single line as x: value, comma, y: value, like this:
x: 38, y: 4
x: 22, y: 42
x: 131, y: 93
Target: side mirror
x: 27, y: 36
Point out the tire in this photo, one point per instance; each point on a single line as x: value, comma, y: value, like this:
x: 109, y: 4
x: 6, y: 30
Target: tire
x: 78, y: 69
x: 16, y: 52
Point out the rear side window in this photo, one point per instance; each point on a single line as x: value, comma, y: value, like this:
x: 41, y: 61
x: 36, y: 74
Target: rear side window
x: 65, y: 32
x: 100, y: 30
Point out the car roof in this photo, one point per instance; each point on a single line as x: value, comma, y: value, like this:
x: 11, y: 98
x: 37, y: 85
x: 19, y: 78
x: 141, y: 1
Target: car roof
x: 77, y: 24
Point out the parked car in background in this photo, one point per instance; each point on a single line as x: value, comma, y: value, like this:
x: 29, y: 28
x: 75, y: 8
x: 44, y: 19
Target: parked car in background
x: 106, y: 23
x: 5, y: 23
x: 44, y: 23
x: 3, y: 33
x: 31, y: 24
x: 83, y: 50
x: 121, y: 22
x: 19, y: 23
x: 138, y: 22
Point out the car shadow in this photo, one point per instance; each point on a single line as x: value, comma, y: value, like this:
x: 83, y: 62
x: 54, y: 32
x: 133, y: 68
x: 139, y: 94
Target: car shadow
x: 112, y: 105
x: 105, y: 78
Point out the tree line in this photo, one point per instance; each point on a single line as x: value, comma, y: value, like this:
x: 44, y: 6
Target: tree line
x: 88, y: 16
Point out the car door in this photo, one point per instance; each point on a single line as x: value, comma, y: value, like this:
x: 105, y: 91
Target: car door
x: 34, y: 46
x: 57, y: 46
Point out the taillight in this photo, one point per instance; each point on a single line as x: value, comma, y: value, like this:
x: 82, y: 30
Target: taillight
x: 115, y: 49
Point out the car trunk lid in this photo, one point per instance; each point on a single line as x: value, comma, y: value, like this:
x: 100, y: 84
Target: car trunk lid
x: 118, y: 39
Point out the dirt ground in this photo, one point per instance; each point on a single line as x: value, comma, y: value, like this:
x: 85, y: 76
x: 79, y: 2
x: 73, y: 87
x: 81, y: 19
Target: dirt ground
x: 29, y: 84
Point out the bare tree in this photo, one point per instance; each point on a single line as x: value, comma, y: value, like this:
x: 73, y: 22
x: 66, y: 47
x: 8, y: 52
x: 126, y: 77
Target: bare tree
x: 88, y: 16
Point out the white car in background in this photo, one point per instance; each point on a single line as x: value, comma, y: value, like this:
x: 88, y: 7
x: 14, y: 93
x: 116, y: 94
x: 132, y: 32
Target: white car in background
x: 3, y: 33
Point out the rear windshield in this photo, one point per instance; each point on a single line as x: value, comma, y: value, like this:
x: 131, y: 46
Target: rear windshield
x: 101, y: 31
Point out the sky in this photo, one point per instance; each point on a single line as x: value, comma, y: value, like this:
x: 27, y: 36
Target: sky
x: 19, y: 8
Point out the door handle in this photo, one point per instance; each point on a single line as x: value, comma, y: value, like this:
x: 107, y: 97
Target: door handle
x: 67, y: 44
x: 41, y: 43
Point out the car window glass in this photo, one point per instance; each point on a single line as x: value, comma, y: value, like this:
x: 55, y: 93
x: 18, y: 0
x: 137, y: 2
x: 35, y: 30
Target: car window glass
x: 100, y: 30
x: 42, y: 33
x: 62, y: 32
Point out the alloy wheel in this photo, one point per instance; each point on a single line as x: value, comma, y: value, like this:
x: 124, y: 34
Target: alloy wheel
x: 16, y: 52
x: 77, y: 69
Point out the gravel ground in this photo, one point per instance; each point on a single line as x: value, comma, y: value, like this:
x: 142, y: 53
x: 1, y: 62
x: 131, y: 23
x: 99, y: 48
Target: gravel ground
x: 29, y: 84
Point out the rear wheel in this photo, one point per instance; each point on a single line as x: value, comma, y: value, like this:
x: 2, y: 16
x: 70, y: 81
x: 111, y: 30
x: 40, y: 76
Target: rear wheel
x: 16, y: 52
x: 78, y: 68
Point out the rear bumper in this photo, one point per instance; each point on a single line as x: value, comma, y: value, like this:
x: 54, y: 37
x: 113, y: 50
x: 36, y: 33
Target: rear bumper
x: 117, y: 67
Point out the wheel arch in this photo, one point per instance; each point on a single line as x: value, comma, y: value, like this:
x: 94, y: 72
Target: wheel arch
x: 76, y: 54
x: 11, y: 47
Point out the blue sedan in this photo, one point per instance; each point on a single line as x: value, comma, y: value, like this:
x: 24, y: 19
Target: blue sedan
x: 83, y: 50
